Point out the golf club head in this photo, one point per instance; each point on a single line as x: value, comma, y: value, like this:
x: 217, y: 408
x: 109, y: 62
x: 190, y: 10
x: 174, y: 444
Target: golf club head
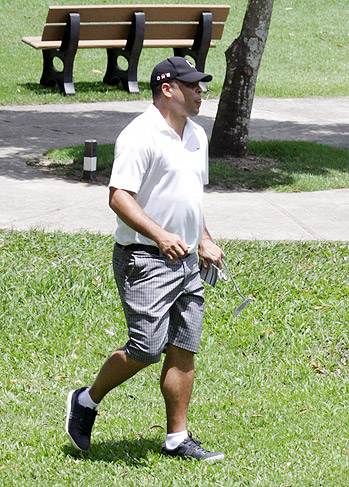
x: 241, y: 306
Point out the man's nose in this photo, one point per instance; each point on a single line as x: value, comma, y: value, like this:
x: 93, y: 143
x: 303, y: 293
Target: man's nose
x: 199, y: 89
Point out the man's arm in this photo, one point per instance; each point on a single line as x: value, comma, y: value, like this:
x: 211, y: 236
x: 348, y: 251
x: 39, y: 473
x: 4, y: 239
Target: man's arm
x: 126, y: 207
x: 209, y: 251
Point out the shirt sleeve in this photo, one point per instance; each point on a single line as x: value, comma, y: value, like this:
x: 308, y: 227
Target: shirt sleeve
x: 131, y: 161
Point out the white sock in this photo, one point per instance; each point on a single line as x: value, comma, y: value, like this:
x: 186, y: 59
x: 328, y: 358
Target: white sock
x: 85, y: 400
x: 174, y: 439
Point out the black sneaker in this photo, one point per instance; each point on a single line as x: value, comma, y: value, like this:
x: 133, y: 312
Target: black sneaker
x: 79, y: 421
x: 190, y: 448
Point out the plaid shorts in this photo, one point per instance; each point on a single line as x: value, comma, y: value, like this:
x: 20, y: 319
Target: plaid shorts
x: 163, y: 302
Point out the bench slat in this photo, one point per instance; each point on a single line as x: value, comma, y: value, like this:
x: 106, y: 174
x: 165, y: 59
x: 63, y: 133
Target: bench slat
x: 123, y: 13
x: 37, y: 43
x: 92, y: 32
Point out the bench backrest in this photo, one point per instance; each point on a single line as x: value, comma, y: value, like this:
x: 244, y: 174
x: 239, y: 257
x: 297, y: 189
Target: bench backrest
x: 113, y: 21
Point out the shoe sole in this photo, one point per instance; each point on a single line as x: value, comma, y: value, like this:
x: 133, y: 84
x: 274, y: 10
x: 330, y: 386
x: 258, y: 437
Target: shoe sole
x: 69, y: 401
x: 217, y: 458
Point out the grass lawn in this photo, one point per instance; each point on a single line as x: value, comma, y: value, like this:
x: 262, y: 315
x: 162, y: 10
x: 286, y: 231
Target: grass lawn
x: 306, y: 53
x: 271, y: 386
x: 283, y: 166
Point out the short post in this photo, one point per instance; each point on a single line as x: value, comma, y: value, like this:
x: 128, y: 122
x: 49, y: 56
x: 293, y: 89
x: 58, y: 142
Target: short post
x: 90, y: 160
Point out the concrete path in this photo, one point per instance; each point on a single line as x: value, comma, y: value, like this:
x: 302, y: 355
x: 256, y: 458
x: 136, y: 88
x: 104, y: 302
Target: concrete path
x: 30, y: 199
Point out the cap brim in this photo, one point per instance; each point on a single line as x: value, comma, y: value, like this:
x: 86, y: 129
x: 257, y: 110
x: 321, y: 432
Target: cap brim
x: 194, y: 76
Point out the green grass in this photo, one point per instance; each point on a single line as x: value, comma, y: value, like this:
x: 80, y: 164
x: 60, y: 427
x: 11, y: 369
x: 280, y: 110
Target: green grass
x: 271, y: 386
x: 306, y: 54
x: 299, y: 166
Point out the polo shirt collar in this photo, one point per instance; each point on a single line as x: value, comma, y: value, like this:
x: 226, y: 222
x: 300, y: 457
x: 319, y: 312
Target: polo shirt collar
x: 163, y: 126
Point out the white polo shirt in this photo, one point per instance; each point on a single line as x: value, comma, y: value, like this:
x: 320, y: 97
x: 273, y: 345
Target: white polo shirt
x: 166, y: 173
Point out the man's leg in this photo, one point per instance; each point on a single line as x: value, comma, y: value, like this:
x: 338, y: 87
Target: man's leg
x: 177, y: 379
x: 82, y: 403
x: 117, y: 369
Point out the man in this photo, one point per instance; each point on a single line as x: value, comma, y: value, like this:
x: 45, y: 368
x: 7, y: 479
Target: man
x: 156, y: 191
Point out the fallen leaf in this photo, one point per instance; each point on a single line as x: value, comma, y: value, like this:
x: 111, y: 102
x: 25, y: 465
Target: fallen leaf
x: 257, y: 416
x: 288, y: 464
x: 315, y: 441
x: 109, y: 332
x: 61, y: 377
x: 289, y: 8
x: 156, y: 426
x: 78, y: 341
x: 305, y: 410
x: 97, y: 280
x: 97, y: 71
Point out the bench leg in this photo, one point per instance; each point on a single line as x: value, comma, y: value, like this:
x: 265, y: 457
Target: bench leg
x: 131, y: 52
x: 51, y: 75
x: 66, y: 53
x: 200, y: 46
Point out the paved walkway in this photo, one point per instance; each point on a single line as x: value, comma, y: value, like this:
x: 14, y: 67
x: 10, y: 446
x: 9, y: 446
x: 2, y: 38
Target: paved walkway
x: 30, y: 199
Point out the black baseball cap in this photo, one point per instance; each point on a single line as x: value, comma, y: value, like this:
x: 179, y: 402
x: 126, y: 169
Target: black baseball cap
x: 177, y: 67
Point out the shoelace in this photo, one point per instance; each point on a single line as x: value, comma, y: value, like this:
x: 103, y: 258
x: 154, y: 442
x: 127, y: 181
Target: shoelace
x: 197, y: 443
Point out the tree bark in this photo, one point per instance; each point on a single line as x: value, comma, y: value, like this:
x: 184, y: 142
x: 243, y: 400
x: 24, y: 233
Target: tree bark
x: 230, y: 130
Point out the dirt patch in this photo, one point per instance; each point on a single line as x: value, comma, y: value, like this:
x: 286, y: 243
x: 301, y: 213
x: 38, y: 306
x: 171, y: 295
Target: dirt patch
x: 66, y: 170
x: 248, y: 163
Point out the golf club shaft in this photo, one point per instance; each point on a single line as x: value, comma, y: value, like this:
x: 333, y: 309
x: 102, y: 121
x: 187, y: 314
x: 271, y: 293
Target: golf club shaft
x: 229, y: 273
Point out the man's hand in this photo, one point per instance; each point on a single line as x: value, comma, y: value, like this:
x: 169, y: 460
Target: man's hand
x: 172, y: 245
x: 209, y: 252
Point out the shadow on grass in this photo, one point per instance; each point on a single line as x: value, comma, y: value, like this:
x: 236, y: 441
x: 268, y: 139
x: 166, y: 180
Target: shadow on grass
x: 131, y: 452
x: 89, y: 89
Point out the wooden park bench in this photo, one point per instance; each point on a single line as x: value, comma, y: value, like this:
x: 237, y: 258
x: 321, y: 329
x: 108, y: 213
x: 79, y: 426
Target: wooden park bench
x: 124, y: 30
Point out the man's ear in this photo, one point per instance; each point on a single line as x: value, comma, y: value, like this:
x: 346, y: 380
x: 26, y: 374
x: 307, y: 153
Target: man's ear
x: 166, y: 89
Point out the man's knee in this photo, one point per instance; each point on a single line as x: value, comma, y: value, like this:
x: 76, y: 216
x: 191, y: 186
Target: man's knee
x: 180, y: 357
x: 144, y: 357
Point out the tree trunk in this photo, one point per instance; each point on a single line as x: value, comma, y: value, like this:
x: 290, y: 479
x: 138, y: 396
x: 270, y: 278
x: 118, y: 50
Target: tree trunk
x: 230, y: 131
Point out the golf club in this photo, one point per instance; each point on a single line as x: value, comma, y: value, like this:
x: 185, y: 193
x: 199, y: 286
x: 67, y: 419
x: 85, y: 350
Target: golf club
x: 246, y: 301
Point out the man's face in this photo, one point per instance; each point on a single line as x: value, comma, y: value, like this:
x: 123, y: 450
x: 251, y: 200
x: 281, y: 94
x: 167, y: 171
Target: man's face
x: 186, y: 98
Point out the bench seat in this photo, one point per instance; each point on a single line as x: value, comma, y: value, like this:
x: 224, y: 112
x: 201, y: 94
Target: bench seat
x: 37, y: 43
